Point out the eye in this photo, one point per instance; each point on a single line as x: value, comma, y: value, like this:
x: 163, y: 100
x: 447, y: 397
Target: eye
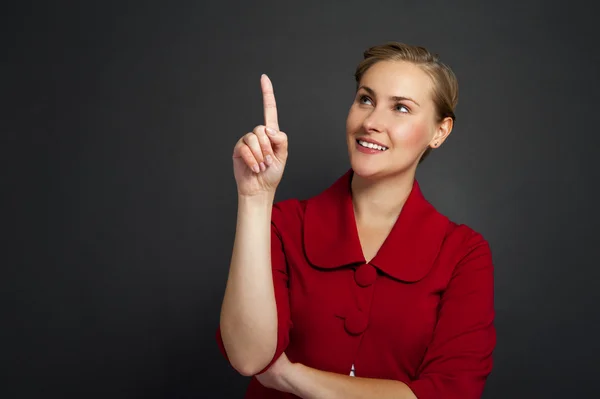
x: 364, y: 100
x: 402, y: 108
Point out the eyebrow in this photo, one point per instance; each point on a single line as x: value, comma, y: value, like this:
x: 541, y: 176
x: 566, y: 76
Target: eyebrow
x: 393, y: 98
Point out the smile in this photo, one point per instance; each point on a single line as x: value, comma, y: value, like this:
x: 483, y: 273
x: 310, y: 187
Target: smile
x: 371, y: 145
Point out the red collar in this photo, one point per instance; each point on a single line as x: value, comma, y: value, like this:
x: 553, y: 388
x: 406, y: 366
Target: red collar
x: 331, y: 237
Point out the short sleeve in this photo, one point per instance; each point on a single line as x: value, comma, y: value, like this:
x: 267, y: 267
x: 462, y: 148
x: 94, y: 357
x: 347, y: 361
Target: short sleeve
x: 458, y: 359
x: 280, y: 285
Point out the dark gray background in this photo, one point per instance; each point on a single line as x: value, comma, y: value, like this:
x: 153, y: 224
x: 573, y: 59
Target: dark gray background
x: 118, y: 123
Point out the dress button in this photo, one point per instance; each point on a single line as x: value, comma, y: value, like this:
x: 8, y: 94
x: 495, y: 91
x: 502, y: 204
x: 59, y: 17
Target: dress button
x: 356, y: 323
x: 365, y: 275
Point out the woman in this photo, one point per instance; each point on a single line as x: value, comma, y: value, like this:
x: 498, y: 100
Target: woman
x: 364, y: 291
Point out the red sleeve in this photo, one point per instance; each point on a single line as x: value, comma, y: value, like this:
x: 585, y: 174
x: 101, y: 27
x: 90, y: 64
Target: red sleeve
x: 280, y: 285
x: 459, y: 357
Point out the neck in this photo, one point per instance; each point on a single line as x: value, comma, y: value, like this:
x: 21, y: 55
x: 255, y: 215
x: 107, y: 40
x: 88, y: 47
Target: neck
x: 379, y: 201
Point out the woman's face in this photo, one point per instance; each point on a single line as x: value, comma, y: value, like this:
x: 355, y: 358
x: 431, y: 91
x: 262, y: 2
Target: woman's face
x: 394, y: 108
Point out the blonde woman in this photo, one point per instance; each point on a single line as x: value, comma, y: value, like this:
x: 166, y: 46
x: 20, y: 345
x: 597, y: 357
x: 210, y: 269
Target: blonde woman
x: 365, y: 290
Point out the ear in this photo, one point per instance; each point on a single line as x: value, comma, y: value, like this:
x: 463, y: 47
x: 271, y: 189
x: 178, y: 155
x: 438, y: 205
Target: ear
x: 442, y: 131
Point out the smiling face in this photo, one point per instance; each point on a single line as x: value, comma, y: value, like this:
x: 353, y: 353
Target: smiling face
x: 394, y: 116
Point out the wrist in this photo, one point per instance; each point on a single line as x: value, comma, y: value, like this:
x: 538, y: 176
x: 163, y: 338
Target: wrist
x: 263, y: 198
x: 256, y: 206
x: 291, y: 376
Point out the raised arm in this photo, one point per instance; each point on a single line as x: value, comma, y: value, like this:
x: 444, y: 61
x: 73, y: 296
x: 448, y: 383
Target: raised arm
x: 248, y: 323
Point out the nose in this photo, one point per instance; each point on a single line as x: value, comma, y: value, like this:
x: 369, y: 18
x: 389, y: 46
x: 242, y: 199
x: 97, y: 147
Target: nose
x: 373, y: 123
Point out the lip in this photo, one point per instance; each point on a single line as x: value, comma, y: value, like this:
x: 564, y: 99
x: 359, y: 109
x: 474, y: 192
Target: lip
x: 368, y: 140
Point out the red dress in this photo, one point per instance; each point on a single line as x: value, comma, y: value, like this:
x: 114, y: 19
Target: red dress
x: 421, y: 311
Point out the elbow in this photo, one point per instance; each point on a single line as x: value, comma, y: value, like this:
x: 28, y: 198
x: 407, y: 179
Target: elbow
x: 249, y: 366
x: 248, y: 369
x: 247, y: 363
x: 248, y: 357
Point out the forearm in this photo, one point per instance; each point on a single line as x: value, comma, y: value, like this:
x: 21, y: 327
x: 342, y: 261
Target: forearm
x: 309, y: 383
x: 249, y: 314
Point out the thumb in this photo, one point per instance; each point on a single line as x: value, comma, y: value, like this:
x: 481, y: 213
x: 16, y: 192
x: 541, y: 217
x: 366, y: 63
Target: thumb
x: 279, y: 142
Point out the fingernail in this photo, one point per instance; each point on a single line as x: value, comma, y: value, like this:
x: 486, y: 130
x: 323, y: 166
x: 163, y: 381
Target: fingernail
x: 262, y: 166
x: 269, y: 160
x: 271, y: 132
x: 256, y: 168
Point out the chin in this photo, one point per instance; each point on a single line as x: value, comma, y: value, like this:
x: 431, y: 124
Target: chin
x: 370, y: 170
x: 367, y: 170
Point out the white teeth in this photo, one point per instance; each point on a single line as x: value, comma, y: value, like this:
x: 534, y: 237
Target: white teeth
x: 371, y: 145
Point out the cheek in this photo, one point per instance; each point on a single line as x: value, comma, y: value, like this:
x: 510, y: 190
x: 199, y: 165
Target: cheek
x: 414, y: 134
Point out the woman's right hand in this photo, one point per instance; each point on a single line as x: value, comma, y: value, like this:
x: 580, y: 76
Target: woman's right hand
x: 259, y: 157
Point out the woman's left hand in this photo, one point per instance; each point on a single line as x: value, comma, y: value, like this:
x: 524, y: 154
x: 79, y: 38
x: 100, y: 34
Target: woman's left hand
x: 275, y: 376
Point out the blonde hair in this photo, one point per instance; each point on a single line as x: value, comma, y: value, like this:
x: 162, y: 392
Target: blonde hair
x: 445, y: 84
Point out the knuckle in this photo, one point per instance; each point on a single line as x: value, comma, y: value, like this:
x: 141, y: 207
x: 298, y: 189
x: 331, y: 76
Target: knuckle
x: 250, y: 139
x: 258, y: 129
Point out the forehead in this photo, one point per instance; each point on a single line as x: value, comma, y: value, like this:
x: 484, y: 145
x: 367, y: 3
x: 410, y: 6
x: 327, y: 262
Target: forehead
x: 398, y: 78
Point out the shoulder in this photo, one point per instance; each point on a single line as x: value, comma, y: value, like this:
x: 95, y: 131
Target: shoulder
x: 463, y: 235
x: 454, y: 241
x: 289, y: 208
x: 288, y: 212
x: 463, y: 243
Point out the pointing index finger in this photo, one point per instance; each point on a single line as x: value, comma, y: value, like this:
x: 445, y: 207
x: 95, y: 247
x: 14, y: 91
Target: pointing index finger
x: 269, y: 104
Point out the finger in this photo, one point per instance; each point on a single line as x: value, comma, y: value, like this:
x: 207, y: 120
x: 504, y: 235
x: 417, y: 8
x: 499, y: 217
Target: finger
x: 269, y: 104
x: 252, y: 142
x: 246, y: 154
x: 241, y: 150
x: 265, y: 144
x: 279, y: 142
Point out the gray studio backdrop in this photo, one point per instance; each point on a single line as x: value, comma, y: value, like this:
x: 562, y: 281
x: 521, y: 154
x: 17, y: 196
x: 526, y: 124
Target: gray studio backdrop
x: 119, y: 120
